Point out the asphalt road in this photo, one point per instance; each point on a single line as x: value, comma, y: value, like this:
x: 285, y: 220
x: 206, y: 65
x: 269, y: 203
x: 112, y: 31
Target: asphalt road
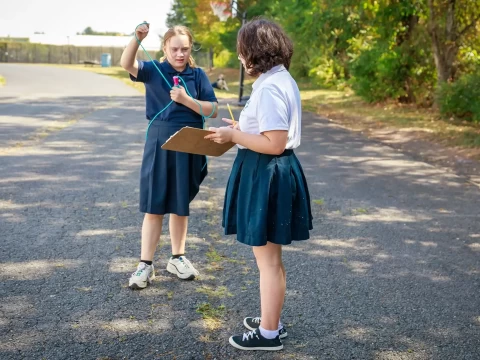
x: 392, y: 270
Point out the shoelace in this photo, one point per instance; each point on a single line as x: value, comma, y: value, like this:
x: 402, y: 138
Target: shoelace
x: 248, y: 334
x: 185, y: 262
x: 257, y: 320
x: 140, y: 269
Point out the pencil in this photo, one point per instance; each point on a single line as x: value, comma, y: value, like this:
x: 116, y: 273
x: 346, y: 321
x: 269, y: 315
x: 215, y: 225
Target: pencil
x: 231, y: 114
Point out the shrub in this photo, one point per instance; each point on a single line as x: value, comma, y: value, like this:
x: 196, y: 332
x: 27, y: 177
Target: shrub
x: 461, y: 98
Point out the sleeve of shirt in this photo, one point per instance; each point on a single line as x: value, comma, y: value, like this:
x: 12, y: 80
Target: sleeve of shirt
x: 206, y: 90
x: 145, y: 69
x: 272, y: 110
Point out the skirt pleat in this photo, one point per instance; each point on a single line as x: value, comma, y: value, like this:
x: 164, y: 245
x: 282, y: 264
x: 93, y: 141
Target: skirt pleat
x: 169, y: 180
x: 267, y: 199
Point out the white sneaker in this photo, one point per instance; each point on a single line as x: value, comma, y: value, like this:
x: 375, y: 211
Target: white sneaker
x: 182, y: 267
x: 142, y: 276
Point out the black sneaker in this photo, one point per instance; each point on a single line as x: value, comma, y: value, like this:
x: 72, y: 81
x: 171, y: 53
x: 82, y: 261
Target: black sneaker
x: 252, y: 323
x: 253, y: 340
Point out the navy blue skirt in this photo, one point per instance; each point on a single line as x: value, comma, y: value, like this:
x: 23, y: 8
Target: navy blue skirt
x: 169, y: 180
x: 267, y: 199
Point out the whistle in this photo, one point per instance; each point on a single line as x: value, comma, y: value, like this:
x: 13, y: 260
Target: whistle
x: 175, y: 81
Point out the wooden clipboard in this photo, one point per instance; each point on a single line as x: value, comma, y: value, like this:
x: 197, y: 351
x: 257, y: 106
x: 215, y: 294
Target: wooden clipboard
x: 191, y: 140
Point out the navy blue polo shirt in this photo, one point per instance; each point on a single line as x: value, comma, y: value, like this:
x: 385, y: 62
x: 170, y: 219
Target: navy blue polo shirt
x: 158, y: 91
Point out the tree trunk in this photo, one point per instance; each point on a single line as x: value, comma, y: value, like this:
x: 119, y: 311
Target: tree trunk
x: 442, y: 67
x: 445, y: 48
x: 410, y: 22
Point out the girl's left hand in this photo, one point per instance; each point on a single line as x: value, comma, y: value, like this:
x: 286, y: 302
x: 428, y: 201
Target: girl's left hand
x: 178, y: 94
x: 222, y: 134
x: 233, y: 123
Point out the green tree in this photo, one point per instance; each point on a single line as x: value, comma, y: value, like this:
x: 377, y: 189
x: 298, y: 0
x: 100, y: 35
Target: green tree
x: 451, y: 24
x: 182, y: 13
x: 89, y: 31
x: 384, y: 49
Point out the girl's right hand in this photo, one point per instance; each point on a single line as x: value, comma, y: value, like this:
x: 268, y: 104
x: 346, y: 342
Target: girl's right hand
x: 142, y: 31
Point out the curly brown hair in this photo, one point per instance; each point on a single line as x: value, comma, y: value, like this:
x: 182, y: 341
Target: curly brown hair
x: 263, y: 44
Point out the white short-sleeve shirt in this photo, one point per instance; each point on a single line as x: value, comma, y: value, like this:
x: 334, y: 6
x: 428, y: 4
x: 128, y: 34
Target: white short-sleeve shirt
x: 274, y: 105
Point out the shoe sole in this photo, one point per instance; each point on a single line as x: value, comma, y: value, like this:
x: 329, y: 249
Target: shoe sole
x: 135, y: 286
x: 271, y: 348
x: 283, y: 336
x: 173, y: 270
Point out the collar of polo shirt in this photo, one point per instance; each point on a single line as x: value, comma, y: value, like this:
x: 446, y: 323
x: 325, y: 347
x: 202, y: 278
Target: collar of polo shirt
x: 262, y: 77
x: 169, y: 69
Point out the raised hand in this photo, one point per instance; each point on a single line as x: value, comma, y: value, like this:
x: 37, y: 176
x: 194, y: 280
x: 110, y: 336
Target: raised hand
x: 142, y: 31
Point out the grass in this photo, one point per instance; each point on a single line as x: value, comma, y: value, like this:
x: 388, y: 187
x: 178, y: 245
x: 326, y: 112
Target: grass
x: 215, y: 260
x: 348, y: 109
x: 213, y: 255
x: 351, y: 111
x: 211, y: 315
x: 220, y: 292
x: 360, y: 211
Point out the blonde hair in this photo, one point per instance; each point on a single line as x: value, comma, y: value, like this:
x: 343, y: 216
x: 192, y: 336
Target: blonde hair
x: 178, y: 30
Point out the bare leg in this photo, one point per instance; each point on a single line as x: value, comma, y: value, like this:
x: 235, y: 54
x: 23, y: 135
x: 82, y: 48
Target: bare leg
x: 178, y: 233
x: 272, y: 283
x: 151, y: 231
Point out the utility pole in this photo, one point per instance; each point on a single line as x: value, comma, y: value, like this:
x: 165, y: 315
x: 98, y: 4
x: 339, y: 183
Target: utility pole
x: 241, y: 99
x: 69, y: 50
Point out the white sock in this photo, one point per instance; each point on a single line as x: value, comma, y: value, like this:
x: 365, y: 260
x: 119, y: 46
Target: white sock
x: 268, y: 334
x: 280, y: 325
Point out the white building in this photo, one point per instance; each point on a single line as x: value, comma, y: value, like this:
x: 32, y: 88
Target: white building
x: 150, y: 43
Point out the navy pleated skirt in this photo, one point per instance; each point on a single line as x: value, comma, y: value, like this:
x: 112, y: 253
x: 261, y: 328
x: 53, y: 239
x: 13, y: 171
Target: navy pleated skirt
x: 169, y: 180
x: 267, y: 199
